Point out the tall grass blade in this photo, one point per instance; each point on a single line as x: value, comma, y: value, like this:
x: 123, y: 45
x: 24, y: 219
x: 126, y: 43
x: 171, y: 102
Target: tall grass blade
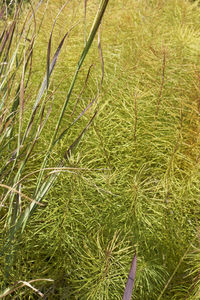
x: 82, y: 90
x: 131, y: 279
x: 68, y: 153
x: 49, y: 45
x: 101, y: 56
x: 44, y: 83
x: 85, y: 22
x: 2, y: 12
x: 80, y: 115
x: 6, y: 38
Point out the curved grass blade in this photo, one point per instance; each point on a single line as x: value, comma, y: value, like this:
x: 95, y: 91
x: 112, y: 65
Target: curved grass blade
x: 16, y: 286
x: 73, y: 145
x: 82, y: 90
x: 2, y: 12
x: 44, y: 83
x: 11, y: 189
x: 131, y: 278
x: 49, y: 45
x: 85, y: 22
x: 101, y: 56
x: 6, y: 37
x: 81, y: 114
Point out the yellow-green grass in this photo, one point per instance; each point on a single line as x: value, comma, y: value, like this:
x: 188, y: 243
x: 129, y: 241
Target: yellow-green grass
x: 136, y: 183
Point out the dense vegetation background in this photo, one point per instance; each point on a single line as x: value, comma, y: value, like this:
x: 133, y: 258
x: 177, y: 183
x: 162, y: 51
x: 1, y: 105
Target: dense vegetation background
x: 134, y: 178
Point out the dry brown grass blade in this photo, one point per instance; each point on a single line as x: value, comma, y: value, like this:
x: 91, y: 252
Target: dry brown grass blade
x: 11, y: 189
x: 24, y: 283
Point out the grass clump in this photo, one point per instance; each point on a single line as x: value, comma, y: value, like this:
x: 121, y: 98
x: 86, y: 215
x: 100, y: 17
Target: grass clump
x: 132, y: 184
x: 22, y: 125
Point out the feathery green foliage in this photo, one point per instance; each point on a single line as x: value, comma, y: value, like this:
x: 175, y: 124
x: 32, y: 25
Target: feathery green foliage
x: 132, y: 184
